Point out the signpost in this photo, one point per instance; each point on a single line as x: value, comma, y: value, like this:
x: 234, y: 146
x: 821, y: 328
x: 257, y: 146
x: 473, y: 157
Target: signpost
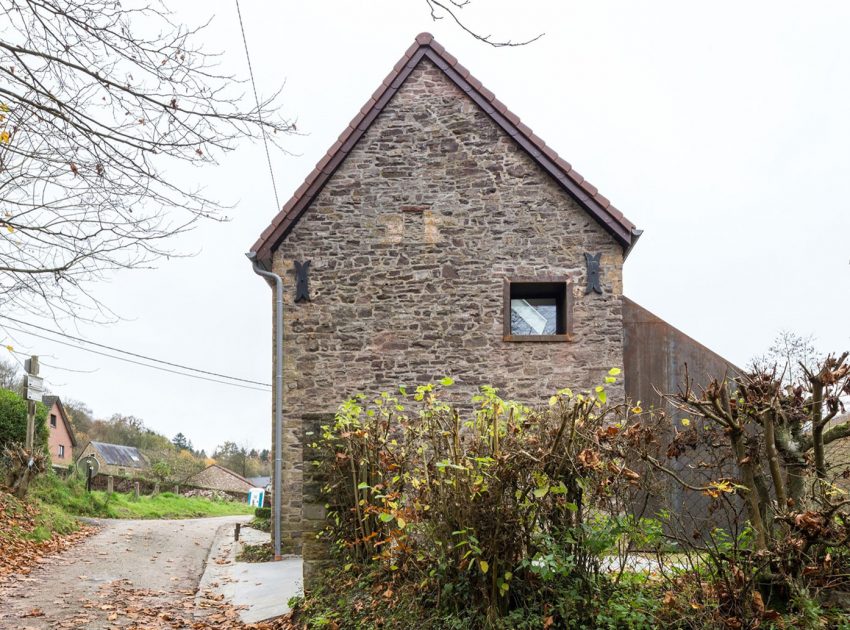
x: 33, y: 390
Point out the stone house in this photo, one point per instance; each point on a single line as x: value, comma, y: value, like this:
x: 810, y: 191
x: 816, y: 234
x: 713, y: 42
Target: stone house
x: 116, y: 459
x: 440, y: 236
x: 216, y: 477
x: 61, y: 440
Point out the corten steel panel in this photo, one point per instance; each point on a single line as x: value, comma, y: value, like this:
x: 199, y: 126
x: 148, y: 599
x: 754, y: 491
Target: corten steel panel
x: 654, y: 357
x: 655, y: 354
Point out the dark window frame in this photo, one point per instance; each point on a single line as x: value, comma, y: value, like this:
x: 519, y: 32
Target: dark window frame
x: 53, y: 420
x: 559, y: 287
x: 62, y: 450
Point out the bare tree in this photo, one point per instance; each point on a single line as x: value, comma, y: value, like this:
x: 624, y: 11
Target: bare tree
x: 99, y: 102
x: 452, y: 9
x: 789, y: 351
x: 9, y: 377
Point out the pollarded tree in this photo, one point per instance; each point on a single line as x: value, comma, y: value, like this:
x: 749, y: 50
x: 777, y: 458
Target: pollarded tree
x: 789, y: 464
x: 100, y: 101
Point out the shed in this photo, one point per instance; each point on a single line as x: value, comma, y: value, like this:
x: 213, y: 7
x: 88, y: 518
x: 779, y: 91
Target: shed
x: 116, y: 459
x: 216, y: 477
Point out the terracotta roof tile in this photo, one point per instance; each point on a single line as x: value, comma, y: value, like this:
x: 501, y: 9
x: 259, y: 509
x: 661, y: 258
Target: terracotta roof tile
x: 461, y: 70
x: 499, y: 105
x: 513, y: 118
x: 590, y: 188
x: 565, y: 166
x: 603, y: 201
x: 583, y: 191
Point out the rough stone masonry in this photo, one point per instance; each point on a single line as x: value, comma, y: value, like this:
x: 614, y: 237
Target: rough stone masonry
x: 410, y: 242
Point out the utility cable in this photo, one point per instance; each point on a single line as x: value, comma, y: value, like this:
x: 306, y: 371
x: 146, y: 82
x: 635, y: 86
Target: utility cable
x: 147, y: 365
x: 259, y: 110
x: 133, y: 354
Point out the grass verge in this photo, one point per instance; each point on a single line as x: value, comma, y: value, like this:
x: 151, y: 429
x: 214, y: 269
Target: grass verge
x: 29, y: 530
x: 69, y: 496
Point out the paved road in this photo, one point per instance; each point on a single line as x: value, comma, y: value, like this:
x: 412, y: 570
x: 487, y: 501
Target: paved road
x: 127, y: 564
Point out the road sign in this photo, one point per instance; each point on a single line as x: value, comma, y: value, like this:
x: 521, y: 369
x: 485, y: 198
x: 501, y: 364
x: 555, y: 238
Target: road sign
x: 34, y: 386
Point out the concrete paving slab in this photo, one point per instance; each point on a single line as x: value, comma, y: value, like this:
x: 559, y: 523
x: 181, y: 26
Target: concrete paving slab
x: 260, y: 589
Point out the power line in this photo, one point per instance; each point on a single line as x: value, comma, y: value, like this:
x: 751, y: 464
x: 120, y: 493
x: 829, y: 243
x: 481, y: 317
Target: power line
x: 132, y: 354
x: 54, y: 367
x: 259, y: 111
x: 147, y: 365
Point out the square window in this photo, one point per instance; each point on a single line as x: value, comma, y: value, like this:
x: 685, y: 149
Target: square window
x: 53, y: 420
x: 537, y: 309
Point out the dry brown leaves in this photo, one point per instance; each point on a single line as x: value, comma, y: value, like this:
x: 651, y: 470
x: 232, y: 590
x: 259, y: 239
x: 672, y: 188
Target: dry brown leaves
x: 119, y: 605
x: 20, y: 555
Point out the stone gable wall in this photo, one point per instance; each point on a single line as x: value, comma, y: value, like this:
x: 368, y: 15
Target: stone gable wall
x: 410, y: 242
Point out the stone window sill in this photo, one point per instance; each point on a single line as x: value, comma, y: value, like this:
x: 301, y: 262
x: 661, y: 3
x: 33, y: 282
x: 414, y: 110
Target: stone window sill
x: 537, y: 338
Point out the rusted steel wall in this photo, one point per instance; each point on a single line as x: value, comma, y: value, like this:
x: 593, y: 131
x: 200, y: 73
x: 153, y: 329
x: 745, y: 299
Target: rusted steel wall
x: 655, y: 354
x: 654, y: 357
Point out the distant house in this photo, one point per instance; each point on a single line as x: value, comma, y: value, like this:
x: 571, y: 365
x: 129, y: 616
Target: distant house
x: 217, y: 477
x: 61, y: 440
x: 261, y: 482
x: 116, y: 459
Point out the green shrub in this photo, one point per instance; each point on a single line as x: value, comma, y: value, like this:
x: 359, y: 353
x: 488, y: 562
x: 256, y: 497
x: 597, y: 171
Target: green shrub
x: 263, y: 512
x: 13, y: 419
x: 494, y: 516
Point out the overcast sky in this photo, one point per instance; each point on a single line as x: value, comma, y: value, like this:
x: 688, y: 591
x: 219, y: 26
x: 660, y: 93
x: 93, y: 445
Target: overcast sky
x: 721, y: 129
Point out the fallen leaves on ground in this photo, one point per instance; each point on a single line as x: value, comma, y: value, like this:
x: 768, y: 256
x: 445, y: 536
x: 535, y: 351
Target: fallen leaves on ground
x: 135, y: 608
x: 20, y: 554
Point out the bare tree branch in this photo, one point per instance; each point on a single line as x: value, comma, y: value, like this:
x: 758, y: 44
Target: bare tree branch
x: 99, y: 103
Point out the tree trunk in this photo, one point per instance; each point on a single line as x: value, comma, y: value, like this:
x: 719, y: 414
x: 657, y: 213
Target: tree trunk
x: 754, y: 511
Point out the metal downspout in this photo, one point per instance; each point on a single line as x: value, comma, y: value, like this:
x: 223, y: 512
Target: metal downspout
x: 278, y: 393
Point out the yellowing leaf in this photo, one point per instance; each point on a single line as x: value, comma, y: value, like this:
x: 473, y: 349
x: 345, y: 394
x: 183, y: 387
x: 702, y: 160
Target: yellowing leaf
x: 484, y: 566
x: 10, y: 348
x: 447, y: 381
x: 685, y: 422
x: 614, y: 371
x: 401, y: 522
x: 553, y: 401
x: 5, y: 137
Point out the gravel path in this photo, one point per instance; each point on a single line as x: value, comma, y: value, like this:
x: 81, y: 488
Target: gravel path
x: 151, y: 562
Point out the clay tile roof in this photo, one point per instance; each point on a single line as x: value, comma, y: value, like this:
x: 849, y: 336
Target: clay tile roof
x: 425, y: 47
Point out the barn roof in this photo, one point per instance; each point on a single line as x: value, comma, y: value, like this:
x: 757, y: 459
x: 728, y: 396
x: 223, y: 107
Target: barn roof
x: 120, y: 455
x: 426, y: 47
x: 220, y: 467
